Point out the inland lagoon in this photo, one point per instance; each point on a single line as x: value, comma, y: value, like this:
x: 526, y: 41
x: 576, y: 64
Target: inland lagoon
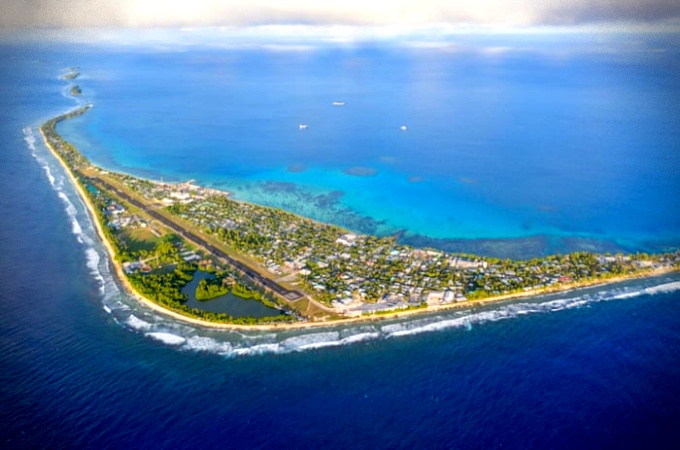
x: 228, y: 303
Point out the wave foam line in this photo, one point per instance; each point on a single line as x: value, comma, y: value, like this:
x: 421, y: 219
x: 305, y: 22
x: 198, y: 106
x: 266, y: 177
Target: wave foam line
x: 92, y: 263
x: 30, y: 139
x: 166, y: 338
x: 185, y: 337
x: 209, y: 345
x: 93, y: 258
x: 136, y: 323
x: 520, y: 309
x: 48, y: 172
x: 666, y: 288
x: 260, y: 349
x: 303, y: 343
x: 310, y: 340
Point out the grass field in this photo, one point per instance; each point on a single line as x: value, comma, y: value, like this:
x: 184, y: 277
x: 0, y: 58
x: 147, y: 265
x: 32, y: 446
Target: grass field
x: 138, y: 239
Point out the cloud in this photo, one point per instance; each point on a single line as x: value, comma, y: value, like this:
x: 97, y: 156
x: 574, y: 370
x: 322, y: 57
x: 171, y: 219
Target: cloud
x: 594, y: 11
x: 179, y: 13
x: 61, y: 13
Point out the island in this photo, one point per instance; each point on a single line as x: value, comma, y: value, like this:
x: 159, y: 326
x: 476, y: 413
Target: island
x: 160, y: 235
x: 71, y: 75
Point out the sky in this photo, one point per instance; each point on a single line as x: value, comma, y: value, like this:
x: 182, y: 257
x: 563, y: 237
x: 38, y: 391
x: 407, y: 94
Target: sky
x: 55, y: 14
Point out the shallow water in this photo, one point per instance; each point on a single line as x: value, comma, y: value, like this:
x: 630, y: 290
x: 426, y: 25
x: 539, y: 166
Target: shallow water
x: 549, y: 142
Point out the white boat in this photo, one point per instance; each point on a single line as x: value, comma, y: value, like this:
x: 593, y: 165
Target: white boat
x: 338, y: 103
x: 403, y: 128
x: 303, y: 126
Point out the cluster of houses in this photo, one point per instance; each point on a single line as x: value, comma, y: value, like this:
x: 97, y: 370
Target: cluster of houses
x: 135, y: 266
x: 118, y: 219
x: 144, y: 266
x: 357, y: 274
x: 168, y: 193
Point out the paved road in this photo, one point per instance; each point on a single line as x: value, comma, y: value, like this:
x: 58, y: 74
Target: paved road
x: 246, y: 270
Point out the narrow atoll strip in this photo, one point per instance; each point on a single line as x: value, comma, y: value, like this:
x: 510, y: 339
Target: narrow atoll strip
x: 159, y: 234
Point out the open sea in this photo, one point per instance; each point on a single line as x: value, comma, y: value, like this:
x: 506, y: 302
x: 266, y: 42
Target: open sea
x: 501, y: 145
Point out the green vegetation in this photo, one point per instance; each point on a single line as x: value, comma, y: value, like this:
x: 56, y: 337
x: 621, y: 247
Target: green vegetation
x: 337, y: 264
x: 68, y: 153
x: 154, y: 265
x: 243, y: 291
x: 76, y: 91
x: 140, y: 241
x: 208, y: 289
x: 101, y: 202
x: 164, y: 288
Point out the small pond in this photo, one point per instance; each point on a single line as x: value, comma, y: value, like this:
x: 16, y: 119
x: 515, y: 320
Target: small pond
x: 228, y: 303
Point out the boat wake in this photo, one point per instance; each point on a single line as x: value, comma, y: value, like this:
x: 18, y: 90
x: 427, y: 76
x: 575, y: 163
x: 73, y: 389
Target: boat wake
x: 127, y: 312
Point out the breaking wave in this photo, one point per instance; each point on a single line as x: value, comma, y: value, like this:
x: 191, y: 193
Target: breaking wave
x: 167, y: 338
x: 113, y: 299
x: 136, y: 323
x: 666, y: 288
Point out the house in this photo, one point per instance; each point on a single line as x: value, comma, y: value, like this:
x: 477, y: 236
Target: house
x: 435, y: 296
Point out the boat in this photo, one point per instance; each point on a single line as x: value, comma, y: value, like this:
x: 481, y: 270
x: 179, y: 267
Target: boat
x: 403, y: 128
x: 302, y: 126
x: 338, y: 103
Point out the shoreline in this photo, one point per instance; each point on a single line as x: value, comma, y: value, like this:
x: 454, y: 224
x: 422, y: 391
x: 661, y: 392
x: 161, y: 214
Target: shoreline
x: 397, y: 314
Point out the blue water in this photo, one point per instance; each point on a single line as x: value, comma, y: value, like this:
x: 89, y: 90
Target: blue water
x: 83, y: 365
x: 575, y: 147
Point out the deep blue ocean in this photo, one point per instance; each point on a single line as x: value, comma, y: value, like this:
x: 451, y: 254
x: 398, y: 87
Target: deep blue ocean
x: 512, y: 146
